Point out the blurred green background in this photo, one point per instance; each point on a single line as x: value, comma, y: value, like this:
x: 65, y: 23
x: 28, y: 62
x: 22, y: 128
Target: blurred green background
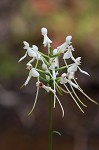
x: 23, y: 20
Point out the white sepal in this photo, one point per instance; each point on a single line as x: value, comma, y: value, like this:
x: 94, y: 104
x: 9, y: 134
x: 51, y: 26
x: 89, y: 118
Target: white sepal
x: 35, y: 48
x: 34, y: 72
x: 68, y: 39
x: 63, y: 78
x: 26, y: 45
x: 67, y: 55
x: 72, y: 68
x: 44, y: 67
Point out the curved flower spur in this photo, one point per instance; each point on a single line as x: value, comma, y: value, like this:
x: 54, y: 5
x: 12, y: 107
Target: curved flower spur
x: 50, y: 70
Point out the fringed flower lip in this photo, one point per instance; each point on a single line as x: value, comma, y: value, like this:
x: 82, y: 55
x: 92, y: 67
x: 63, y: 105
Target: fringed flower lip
x: 50, y: 75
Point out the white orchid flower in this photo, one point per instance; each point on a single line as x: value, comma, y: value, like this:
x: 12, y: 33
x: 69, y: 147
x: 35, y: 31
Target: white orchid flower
x: 62, y: 48
x: 32, y: 73
x: 29, y: 51
x: 46, y: 40
x: 64, y: 80
x: 75, y: 66
x: 49, y: 89
x: 35, y: 49
x: 68, y: 54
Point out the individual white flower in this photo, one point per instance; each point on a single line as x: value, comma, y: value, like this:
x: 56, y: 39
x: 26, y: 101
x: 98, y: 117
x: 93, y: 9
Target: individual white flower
x: 62, y: 48
x: 32, y: 73
x: 49, y: 89
x: 46, y: 40
x: 64, y: 80
x: 35, y: 49
x: 29, y: 51
x: 75, y: 66
x: 68, y: 54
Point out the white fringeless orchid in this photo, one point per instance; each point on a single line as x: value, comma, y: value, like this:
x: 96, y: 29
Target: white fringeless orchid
x: 62, y: 48
x: 75, y: 66
x: 51, y: 69
x: 46, y: 41
x: 29, y: 51
x: 32, y: 73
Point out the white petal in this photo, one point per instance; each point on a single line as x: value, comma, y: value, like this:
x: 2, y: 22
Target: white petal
x: 77, y: 60
x: 35, y: 48
x: 31, y: 53
x: 44, y: 31
x: 63, y: 81
x: 62, y: 48
x: 34, y: 73
x: 72, y: 68
x: 68, y: 39
x: 71, y: 75
x: 73, y: 84
x: 67, y: 55
x: 44, y: 66
x: 26, y: 45
x: 55, y: 51
x: 46, y: 41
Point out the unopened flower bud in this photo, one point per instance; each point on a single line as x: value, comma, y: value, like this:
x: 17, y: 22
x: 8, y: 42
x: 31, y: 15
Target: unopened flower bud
x: 44, y: 66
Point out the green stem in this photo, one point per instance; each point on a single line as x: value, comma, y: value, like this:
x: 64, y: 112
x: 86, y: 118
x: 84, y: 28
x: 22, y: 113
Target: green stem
x: 41, y: 71
x: 50, y: 121
x: 44, y: 79
x: 59, y: 69
x: 44, y: 55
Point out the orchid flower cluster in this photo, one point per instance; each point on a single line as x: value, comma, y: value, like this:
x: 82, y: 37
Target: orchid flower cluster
x: 50, y: 77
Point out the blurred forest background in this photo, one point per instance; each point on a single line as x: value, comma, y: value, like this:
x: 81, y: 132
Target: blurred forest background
x: 23, y: 20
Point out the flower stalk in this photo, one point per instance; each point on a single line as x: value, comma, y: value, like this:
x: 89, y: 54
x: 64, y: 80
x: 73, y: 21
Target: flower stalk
x: 50, y: 130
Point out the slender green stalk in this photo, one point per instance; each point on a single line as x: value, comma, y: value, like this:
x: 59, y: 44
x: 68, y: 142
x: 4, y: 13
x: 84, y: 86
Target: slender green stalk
x: 44, y: 54
x: 60, y: 69
x: 42, y: 71
x: 50, y: 122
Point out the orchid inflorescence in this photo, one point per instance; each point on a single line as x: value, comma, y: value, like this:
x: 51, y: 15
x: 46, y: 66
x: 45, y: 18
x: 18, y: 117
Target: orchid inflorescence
x: 51, y: 70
